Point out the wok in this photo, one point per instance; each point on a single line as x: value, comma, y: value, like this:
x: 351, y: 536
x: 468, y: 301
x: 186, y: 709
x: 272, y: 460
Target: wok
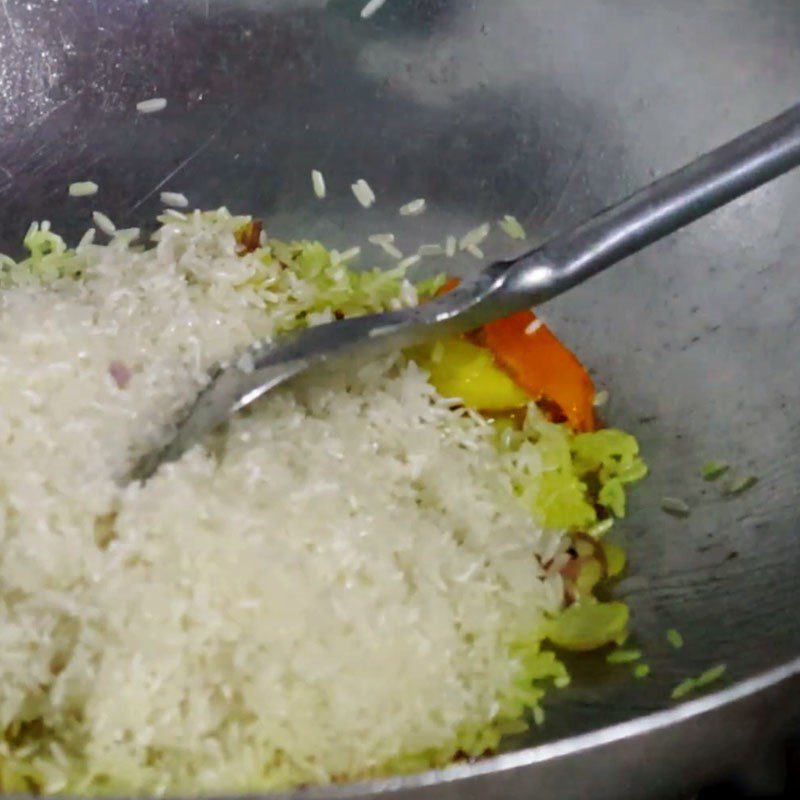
x: 546, y: 110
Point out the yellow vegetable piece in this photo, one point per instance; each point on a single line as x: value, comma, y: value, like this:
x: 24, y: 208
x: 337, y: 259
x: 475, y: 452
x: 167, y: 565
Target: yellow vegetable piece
x: 590, y: 574
x: 461, y: 369
x: 615, y: 558
x: 587, y: 626
x: 562, y: 502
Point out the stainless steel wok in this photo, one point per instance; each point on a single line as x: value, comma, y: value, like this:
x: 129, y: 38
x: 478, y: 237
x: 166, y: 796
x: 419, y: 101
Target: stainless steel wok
x: 548, y: 110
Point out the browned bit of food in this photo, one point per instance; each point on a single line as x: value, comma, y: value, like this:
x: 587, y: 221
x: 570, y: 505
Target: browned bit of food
x: 248, y: 237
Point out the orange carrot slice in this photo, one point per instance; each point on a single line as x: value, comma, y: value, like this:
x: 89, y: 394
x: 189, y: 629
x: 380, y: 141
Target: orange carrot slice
x: 542, y: 366
x: 539, y: 364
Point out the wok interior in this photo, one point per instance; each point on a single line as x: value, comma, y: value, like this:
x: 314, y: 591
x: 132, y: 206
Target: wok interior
x: 538, y: 108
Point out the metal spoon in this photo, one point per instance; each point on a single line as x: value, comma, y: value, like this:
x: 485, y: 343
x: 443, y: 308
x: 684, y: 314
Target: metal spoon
x: 570, y: 258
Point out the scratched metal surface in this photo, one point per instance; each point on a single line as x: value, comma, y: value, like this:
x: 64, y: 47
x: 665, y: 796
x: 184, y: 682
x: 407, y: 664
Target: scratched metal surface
x: 533, y: 107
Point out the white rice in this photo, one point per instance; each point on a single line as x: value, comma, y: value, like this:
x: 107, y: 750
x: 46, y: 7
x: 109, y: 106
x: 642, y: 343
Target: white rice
x: 104, y: 223
x: 127, y: 234
x: 409, y: 262
x: 386, y: 242
x: 414, y: 208
x: 675, y: 506
x: 381, y: 239
x: 83, y: 189
x: 429, y: 250
x: 175, y: 199
x: 601, y: 398
x: 372, y: 7
x: 172, y: 213
x: 363, y: 193
x: 474, y: 251
x: 152, y: 105
x: 474, y: 237
x: 86, y: 239
x: 534, y: 326
x: 318, y: 183
x: 450, y: 246
x: 511, y: 226
x: 333, y: 589
x: 348, y: 255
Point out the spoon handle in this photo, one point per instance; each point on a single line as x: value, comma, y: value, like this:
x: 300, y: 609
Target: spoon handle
x: 700, y: 187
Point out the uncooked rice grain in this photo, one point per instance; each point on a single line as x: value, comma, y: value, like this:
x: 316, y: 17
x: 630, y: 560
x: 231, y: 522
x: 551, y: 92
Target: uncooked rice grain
x: 411, y: 261
x: 175, y: 199
x: 372, y: 7
x: 428, y: 250
x: 474, y: 237
x: 104, y: 223
x: 601, y: 398
x: 511, y: 226
x: 83, y: 189
x: 152, y: 105
x: 533, y: 326
x: 363, y: 193
x: 414, y: 208
x: 675, y: 506
x: 385, y: 242
x: 318, y: 182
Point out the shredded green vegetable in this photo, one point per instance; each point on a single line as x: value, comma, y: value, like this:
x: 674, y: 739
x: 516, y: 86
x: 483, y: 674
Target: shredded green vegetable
x: 712, y: 470
x: 740, y: 484
x: 623, y: 656
x: 641, y: 671
x: 692, y: 684
x: 711, y: 675
x: 674, y: 638
x: 684, y: 688
x: 607, y: 458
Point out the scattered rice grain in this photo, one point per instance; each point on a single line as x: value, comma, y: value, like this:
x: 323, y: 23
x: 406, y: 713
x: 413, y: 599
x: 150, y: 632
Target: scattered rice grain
x: 411, y: 261
x: 104, y: 223
x: 675, y: 506
x: 533, y: 327
x: 363, y: 193
x: 348, y: 255
x: 510, y: 225
x: 429, y: 250
x: 384, y: 241
x: 83, y: 189
x: 601, y: 398
x: 372, y: 7
x: 474, y: 237
x: 152, y: 105
x: 414, y: 208
x: 318, y: 182
x: 175, y: 199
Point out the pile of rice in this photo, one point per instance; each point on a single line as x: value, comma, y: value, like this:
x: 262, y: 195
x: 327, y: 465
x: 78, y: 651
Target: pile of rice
x: 332, y: 589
